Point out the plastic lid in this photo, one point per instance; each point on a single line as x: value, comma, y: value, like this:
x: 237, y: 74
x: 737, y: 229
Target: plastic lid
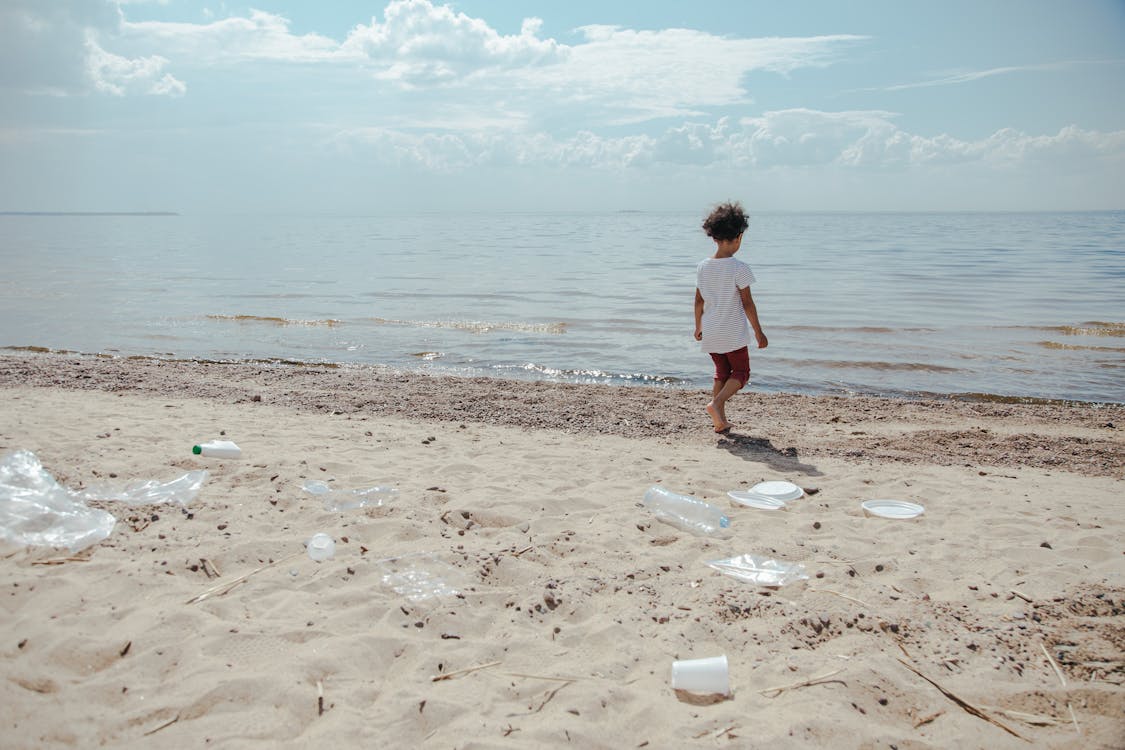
x: 196, y: 449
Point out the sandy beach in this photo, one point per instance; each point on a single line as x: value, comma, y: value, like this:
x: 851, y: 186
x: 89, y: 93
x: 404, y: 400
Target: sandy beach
x: 996, y: 619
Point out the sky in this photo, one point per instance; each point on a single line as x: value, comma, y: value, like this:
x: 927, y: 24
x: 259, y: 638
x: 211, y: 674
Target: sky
x: 349, y: 107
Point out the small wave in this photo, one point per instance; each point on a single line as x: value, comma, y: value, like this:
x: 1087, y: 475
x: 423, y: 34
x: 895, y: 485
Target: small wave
x: 477, y: 326
x: 428, y: 356
x: 855, y: 329
x: 589, y: 375
x: 843, y: 364
x: 1080, y: 347
x: 274, y: 320
x: 1090, y: 328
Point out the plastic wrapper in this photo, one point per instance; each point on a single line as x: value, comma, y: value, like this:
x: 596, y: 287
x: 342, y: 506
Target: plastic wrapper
x: 335, y: 499
x: 37, y: 511
x: 763, y: 571
x: 152, y: 492
x: 420, y: 576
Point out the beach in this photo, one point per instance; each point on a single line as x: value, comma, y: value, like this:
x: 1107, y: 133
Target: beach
x: 996, y: 619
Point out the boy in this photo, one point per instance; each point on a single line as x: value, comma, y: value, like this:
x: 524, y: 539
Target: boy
x: 723, y: 306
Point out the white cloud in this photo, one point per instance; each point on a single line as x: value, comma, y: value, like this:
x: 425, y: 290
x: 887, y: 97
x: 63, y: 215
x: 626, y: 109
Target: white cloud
x: 799, y: 138
x: 117, y: 75
x: 976, y: 75
x: 420, y: 43
x: 259, y: 36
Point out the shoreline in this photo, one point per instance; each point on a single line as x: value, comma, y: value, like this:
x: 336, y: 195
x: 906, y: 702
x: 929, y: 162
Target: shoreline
x: 1076, y: 437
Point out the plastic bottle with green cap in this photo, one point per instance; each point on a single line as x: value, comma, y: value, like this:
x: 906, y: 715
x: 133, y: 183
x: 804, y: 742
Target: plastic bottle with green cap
x: 217, y: 449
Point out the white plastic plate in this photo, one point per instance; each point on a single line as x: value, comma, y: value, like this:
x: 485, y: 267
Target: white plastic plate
x: 898, y: 509
x: 778, y: 490
x: 755, y: 500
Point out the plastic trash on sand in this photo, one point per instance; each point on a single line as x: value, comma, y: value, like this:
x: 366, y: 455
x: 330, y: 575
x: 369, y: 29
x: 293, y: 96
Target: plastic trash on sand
x: 152, y: 492
x: 335, y: 499
x: 763, y: 571
x: 37, y: 511
x: 420, y: 576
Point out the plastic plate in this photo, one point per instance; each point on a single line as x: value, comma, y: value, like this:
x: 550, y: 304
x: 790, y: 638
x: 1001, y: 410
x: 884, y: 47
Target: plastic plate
x: 778, y: 490
x: 897, y: 509
x: 755, y: 500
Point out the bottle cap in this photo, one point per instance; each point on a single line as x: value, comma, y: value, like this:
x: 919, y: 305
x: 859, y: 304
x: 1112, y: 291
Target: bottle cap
x: 196, y: 449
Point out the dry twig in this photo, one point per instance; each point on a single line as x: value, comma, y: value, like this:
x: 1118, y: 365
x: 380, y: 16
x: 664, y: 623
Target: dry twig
x: 1058, y: 672
x: 970, y: 708
x: 927, y: 719
x: 460, y: 672
x: 223, y: 588
x: 1074, y: 718
x: 842, y: 596
x: 1025, y: 597
x: 822, y: 679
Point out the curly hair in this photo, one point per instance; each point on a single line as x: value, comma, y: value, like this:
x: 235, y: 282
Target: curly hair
x: 726, y: 222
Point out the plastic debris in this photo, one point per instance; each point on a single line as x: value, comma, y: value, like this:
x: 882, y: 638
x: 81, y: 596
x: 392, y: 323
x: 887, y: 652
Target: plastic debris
x: 335, y: 499
x: 420, y: 576
x: 152, y: 492
x: 763, y: 571
x: 37, y: 511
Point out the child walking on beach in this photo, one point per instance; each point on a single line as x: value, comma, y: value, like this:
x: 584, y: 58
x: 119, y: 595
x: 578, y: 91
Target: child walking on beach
x: 723, y: 307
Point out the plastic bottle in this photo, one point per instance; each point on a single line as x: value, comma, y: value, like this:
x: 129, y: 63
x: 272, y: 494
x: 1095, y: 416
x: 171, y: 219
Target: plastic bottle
x: 321, y: 547
x: 686, y: 512
x: 217, y: 449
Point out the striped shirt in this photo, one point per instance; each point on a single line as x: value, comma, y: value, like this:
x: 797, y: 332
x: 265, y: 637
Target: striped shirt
x: 725, y: 327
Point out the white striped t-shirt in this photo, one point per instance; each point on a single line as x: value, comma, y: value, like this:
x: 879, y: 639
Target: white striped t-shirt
x: 725, y: 327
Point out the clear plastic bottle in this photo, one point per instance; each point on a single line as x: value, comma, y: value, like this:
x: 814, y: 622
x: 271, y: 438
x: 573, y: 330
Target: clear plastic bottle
x: 217, y: 449
x: 686, y: 512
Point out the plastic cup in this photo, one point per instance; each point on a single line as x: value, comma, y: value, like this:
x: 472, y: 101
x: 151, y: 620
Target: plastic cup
x: 321, y: 547
x: 708, y: 675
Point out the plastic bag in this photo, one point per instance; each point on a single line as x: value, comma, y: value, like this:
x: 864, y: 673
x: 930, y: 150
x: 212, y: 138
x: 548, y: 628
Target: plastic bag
x: 36, y: 510
x: 763, y: 571
x: 420, y: 576
x: 182, y: 490
x: 335, y: 499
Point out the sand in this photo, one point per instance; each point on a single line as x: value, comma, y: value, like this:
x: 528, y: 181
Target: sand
x: 996, y: 620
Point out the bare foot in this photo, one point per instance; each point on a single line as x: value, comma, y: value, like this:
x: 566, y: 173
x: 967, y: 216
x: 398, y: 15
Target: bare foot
x: 724, y: 429
x: 716, y: 416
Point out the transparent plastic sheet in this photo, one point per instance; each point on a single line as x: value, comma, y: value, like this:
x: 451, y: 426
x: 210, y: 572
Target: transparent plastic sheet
x: 37, y: 511
x: 763, y: 571
x: 335, y: 499
x: 182, y: 490
x: 421, y: 576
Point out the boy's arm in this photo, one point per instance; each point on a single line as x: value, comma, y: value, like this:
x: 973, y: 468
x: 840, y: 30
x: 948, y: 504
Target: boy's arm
x: 698, y: 315
x: 752, y: 315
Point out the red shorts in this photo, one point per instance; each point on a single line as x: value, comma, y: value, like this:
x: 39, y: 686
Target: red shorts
x: 734, y: 364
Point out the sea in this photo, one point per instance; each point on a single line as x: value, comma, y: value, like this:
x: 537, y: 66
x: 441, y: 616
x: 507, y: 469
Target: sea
x: 993, y: 306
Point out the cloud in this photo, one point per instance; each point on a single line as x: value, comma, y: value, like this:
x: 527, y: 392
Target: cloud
x: 859, y: 141
x: 612, y: 75
x: 419, y: 43
x: 976, y: 75
x: 117, y: 75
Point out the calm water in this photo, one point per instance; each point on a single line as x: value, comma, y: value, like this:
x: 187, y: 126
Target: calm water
x: 1005, y: 304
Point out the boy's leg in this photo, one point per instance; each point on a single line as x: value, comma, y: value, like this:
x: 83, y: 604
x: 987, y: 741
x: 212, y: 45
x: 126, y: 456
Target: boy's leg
x: 737, y: 368
x: 715, y: 408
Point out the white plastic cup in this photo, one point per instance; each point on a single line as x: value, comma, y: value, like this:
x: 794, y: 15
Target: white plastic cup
x: 708, y: 675
x: 321, y: 547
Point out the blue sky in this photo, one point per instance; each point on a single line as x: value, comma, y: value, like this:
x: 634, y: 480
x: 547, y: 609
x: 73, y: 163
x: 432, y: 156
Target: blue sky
x: 389, y: 105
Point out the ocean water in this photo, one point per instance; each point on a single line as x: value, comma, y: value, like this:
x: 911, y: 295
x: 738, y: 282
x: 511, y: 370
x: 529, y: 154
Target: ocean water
x: 1025, y: 305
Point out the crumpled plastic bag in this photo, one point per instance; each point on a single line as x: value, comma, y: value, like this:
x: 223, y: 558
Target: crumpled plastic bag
x: 763, y: 571
x: 420, y: 576
x: 151, y: 492
x: 334, y: 499
x: 36, y: 510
